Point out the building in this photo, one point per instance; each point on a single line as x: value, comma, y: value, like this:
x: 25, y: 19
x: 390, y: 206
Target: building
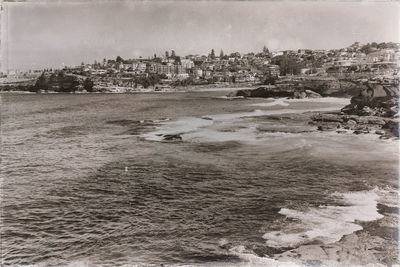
x: 141, y: 67
x: 152, y: 67
x: 273, y: 70
x: 187, y: 63
x: 385, y: 55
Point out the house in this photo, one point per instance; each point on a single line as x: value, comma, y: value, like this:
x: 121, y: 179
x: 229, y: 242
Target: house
x: 141, y: 67
x: 182, y: 76
x: 199, y: 73
x: 187, y: 63
x: 273, y: 70
x: 385, y: 55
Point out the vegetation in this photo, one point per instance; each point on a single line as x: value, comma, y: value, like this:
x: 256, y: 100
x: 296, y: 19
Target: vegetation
x: 58, y: 82
x: 88, y: 84
x: 150, y: 80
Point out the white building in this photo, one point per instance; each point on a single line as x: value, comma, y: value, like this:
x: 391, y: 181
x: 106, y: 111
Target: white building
x: 187, y: 63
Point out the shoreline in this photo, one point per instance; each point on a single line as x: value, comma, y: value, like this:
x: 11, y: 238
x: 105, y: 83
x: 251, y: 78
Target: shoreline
x: 174, y: 90
x: 376, y: 244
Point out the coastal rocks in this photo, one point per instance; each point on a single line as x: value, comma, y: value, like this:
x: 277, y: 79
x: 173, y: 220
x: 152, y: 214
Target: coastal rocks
x: 172, y: 137
x: 325, y: 86
x: 328, y: 118
x: 375, y: 245
x: 326, y: 127
x: 303, y: 87
x: 276, y: 91
x: 59, y: 81
x: 374, y: 100
x: 306, y: 94
x: 375, y: 108
x: 392, y: 127
x: 207, y: 118
x: 358, y: 124
x: 361, y: 131
x: 266, y: 91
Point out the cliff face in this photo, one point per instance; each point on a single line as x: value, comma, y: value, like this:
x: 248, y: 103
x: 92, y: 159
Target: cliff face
x: 302, y: 88
x: 328, y: 87
x: 59, y: 82
x: 375, y: 108
x: 375, y: 99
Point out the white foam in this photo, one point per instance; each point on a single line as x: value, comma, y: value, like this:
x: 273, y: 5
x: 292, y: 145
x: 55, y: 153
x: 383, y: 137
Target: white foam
x: 336, y: 100
x: 286, y: 101
x: 250, y: 259
x: 180, y: 126
x: 277, y: 102
x: 230, y: 97
x: 326, y: 224
x: 257, y: 113
x: 189, y: 125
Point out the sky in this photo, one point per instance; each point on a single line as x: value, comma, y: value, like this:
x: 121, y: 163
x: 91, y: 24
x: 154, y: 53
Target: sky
x: 48, y: 34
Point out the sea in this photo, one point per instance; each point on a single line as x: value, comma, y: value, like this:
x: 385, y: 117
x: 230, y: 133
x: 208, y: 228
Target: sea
x: 89, y: 179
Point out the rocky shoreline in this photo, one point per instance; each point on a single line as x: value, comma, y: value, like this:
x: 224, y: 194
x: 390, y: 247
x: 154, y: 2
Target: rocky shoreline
x: 375, y: 245
x: 342, y: 123
x: 374, y: 107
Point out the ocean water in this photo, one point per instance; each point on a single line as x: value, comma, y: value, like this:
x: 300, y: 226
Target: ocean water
x: 88, y: 179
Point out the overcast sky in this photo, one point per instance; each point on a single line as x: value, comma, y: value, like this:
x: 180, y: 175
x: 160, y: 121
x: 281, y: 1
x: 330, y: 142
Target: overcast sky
x: 49, y: 34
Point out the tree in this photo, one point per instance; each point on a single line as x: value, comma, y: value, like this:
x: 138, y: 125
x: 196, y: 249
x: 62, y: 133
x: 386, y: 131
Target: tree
x: 287, y: 64
x: 178, y: 60
x: 42, y: 82
x: 166, y: 54
x: 269, y: 79
x: 173, y: 54
x: 212, y: 55
x: 119, y: 59
x: 155, y: 56
x: 88, y: 84
x: 265, y: 50
x: 61, y: 73
x: 221, y: 54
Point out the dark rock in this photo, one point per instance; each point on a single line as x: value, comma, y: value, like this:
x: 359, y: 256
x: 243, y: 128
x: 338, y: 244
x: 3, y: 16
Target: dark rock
x: 328, y: 118
x: 326, y: 127
x: 392, y: 126
x: 266, y: 91
x: 354, y: 118
x: 376, y: 121
x: 207, y: 118
x: 312, y: 94
x: 361, y: 131
x: 380, y: 132
x: 173, y: 137
x: 299, y: 94
x: 351, y: 124
x: 374, y: 99
x: 367, y: 111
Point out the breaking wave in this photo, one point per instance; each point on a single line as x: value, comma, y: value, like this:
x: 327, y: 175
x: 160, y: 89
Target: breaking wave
x: 189, y: 125
x: 326, y: 224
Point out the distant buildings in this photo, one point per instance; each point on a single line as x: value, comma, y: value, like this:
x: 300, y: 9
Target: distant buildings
x: 250, y: 68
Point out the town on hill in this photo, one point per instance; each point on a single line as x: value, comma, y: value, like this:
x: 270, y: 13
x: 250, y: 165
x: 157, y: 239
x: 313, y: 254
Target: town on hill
x: 173, y: 72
